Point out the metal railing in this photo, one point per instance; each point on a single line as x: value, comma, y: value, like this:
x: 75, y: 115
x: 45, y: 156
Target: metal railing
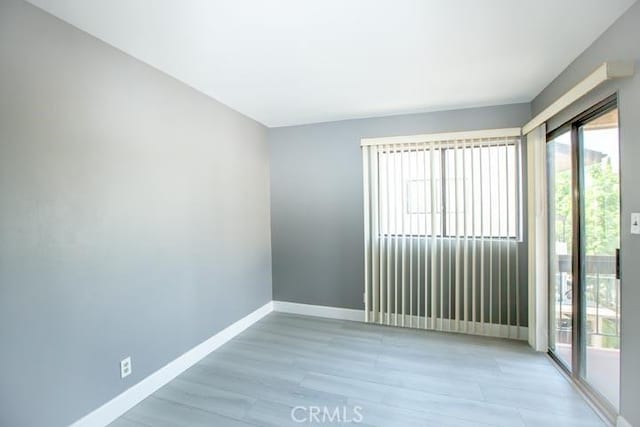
x: 602, y: 290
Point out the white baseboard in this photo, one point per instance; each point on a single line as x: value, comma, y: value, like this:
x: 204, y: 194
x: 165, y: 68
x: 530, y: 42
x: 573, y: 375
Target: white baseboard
x: 120, y: 404
x: 621, y: 422
x: 465, y: 327
x: 319, y: 311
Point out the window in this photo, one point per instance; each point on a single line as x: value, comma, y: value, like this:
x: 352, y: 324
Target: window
x: 441, y: 230
x: 464, y: 190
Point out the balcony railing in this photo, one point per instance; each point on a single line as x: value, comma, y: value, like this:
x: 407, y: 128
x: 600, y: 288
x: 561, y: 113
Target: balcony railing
x: 602, y: 298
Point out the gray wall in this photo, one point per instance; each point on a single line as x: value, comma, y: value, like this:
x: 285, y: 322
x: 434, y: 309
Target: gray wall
x: 619, y: 42
x: 317, y: 223
x: 134, y: 219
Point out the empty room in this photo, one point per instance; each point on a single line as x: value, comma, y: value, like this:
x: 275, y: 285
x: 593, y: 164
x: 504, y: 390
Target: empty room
x: 387, y: 213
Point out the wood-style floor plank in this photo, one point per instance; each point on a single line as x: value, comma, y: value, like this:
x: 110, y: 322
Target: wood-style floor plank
x: 396, y: 377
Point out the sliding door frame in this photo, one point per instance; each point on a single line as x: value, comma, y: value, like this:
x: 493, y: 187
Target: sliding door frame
x: 578, y: 350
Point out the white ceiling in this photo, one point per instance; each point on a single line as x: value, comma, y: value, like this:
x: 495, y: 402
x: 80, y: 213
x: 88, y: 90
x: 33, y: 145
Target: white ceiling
x: 285, y: 62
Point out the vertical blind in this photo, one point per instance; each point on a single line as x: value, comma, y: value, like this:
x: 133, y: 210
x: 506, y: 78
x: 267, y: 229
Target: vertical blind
x: 442, y: 226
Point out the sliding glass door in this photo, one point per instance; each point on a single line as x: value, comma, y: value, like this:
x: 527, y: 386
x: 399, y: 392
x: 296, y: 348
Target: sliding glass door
x: 560, y: 202
x: 600, y: 219
x: 584, y: 237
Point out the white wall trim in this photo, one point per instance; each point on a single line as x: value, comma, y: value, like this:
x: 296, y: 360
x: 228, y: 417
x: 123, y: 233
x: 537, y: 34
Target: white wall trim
x: 622, y: 422
x: 446, y: 136
x: 538, y: 248
x: 319, y: 311
x: 606, y: 71
x: 470, y: 328
x: 120, y: 404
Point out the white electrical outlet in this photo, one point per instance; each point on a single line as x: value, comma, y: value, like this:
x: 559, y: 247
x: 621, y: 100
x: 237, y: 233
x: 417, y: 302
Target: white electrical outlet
x: 125, y: 367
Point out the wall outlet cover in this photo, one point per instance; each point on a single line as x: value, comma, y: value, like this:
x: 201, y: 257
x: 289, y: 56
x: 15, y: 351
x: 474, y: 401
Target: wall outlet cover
x: 125, y: 367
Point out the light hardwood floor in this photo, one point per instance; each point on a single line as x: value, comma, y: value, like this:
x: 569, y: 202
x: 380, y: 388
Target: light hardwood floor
x: 398, y: 377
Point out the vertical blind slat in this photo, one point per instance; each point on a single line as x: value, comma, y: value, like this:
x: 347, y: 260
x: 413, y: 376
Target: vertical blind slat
x: 367, y: 229
x: 388, y: 240
x: 434, y: 242
x: 397, y: 211
x: 491, y: 237
x: 516, y: 173
x: 482, y: 244
x: 411, y: 247
x: 404, y: 241
x: 448, y: 206
x: 474, y: 241
x: 383, y: 244
x: 426, y: 247
x: 443, y: 220
x: 375, y: 211
x: 417, y: 240
x: 508, y: 240
x: 499, y: 241
x: 465, y: 263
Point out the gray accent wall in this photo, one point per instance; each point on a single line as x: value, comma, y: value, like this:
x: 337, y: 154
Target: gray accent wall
x: 619, y: 42
x: 317, y: 225
x: 134, y: 219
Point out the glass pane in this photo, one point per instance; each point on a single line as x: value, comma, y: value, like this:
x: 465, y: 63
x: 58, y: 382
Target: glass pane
x: 560, y: 250
x: 601, y: 238
x: 410, y: 186
x: 481, y: 191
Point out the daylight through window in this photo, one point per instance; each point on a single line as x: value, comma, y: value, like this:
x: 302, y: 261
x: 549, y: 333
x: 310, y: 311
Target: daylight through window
x: 450, y: 189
